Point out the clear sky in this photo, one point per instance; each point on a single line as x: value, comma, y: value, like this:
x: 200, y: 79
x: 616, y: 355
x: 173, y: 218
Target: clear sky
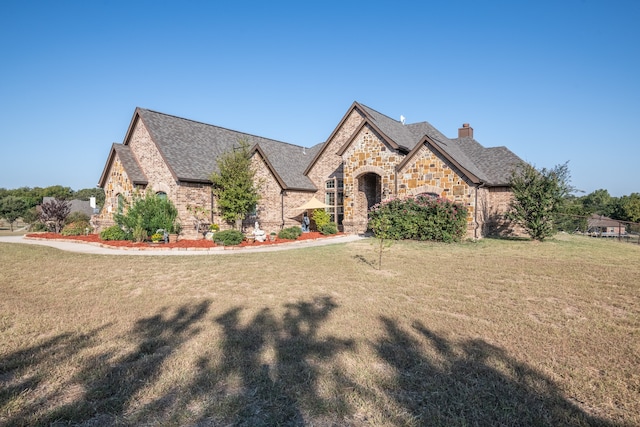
x: 553, y: 80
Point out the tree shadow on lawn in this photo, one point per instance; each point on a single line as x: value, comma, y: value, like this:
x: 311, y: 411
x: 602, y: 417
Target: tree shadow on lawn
x: 469, y: 383
x: 280, y: 370
x: 103, y: 386
x: 268, y: 373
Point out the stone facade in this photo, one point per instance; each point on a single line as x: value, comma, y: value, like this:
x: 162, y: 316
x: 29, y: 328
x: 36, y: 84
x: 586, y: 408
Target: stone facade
x: 358, y: 163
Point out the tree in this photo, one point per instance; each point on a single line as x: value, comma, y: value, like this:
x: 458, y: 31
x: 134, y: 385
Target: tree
x: 12, y: 208
x: 87, y: 193
x: 54, y: 212
x: 628, y: 208
x: 234, y: 185
x: 599, y: 202
x: 538, y: 197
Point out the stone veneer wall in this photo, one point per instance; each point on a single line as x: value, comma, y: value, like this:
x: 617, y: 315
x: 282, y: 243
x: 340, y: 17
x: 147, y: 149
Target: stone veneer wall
x: 330, y: 164
x: 118, y: 182
x: 269, y: 209
x: 426, y: 172
x: 366, y: 154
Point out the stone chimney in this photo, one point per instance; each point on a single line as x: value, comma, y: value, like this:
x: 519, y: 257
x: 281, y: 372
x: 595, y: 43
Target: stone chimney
x: 465, y: 131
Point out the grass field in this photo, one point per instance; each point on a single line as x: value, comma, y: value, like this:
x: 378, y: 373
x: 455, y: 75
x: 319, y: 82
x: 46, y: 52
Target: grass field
x: 490, y: 333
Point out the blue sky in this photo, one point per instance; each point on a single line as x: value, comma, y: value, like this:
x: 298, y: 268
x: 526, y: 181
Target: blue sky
x: 553, y: 80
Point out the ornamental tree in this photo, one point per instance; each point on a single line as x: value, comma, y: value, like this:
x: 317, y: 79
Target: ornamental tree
x: 234, y: 185
x: 54, y: 212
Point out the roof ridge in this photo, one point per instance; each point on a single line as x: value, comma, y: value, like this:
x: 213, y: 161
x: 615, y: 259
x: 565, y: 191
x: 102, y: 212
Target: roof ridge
x: 219, y: 127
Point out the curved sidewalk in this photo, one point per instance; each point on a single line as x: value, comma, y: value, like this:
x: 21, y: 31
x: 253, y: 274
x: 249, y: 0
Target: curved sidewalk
x: 88, y: 248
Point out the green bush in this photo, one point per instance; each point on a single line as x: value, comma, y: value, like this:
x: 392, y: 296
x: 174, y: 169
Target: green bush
x: 328, y: 228
x: 419, y: 218
x: 228, y: 237
x: 146, y: 215
x: 77, y: 228
x: 290, y: 233
x: 113, y: 233
x: 321, y: 217
x: 76, y: 217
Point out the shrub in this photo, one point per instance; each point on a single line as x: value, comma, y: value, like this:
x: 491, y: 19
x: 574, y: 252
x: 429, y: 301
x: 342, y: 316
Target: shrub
x: 329, y: 228
x: 77, y: 228
x: 113, y: 233
x: 321, y: 218
x: 290, y: 233
x: 146, y: 214
x: 76, y: 217
x: 419, y: 218
x: 228, y: 237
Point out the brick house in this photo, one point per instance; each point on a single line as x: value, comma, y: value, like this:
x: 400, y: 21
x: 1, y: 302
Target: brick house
x: 369, y: 157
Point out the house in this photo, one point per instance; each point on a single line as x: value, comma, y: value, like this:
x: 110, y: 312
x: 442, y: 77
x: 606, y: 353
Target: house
x: 368, y: 157
x: 602, y: 226
x: 75, y: 205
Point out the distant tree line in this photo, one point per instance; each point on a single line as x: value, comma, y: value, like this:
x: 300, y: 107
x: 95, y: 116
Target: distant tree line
x: 600, y: 202
x: 21, y: 202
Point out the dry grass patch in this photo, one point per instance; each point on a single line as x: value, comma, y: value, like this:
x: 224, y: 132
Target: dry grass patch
x: 488, y: 333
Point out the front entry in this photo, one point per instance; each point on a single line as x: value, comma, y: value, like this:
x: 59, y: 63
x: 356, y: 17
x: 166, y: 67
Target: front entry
x: 369, y: 193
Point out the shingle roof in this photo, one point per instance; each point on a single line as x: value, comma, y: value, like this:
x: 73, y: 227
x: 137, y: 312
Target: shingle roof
x: 191, y: 149
x: 130, y: 164
x: 497, y: 163
x: 492, y: 166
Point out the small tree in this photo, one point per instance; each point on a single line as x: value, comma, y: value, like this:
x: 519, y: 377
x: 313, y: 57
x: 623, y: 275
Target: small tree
x: 54, y: 212
x: 538, y: 197
x: 12, y: 208
x: 234, y: 185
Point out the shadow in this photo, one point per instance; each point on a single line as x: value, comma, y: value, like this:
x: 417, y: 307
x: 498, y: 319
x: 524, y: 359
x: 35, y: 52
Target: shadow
x: 25, y: 370
x: 106, y: 383
x: 362, y: 259
x: 441, y: 382
x: 269, y: 367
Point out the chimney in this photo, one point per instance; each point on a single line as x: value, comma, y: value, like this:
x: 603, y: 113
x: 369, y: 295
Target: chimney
x: 465, y: 131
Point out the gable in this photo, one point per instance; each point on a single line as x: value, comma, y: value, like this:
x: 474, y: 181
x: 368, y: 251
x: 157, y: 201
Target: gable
x: 129, y: 164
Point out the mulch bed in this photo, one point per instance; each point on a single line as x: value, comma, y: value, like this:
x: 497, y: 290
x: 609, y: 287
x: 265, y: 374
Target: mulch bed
x: 201, y: 243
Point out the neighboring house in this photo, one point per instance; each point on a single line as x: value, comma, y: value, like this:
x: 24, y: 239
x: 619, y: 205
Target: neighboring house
x: 602, y: 226
x: 75, y: 205
x: 368, y: 158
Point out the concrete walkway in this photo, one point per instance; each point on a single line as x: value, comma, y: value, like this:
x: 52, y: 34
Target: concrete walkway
x: 90, y: 248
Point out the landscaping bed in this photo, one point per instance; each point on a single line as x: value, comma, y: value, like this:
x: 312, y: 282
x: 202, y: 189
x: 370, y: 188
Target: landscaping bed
x: 183, y: 243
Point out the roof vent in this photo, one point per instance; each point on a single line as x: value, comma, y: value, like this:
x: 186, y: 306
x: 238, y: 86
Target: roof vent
x: 402, y: 119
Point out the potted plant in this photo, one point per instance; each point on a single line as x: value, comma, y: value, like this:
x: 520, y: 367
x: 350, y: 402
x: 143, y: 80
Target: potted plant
x: 272, y: 236
x: 156, y: 237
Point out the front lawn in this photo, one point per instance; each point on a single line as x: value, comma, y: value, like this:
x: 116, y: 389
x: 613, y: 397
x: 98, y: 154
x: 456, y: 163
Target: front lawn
x: 489, y: 333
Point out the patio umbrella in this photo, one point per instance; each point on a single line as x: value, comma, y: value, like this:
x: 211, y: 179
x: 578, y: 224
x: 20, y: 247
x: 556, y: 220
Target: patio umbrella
x: 313, y: 204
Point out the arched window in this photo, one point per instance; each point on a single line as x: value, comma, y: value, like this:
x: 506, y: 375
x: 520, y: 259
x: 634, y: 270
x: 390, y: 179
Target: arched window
x: 120, y: 207
x: 161, y: 195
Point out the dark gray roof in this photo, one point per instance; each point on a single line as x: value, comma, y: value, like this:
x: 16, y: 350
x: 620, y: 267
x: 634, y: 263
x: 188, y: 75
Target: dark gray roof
x: 497, y: 163
x: 492, y: 166
x: 191, y: 149
x: 130, y: 164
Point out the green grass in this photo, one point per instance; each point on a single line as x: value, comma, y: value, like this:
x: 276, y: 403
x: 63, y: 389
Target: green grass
x: 489, y: 333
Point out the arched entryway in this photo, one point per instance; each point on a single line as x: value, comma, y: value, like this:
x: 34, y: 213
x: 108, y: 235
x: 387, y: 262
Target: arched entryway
x: 368, y: 194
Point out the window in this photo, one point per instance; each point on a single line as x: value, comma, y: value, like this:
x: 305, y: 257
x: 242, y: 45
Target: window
x: 334, y: 197
x: 161, y: 195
